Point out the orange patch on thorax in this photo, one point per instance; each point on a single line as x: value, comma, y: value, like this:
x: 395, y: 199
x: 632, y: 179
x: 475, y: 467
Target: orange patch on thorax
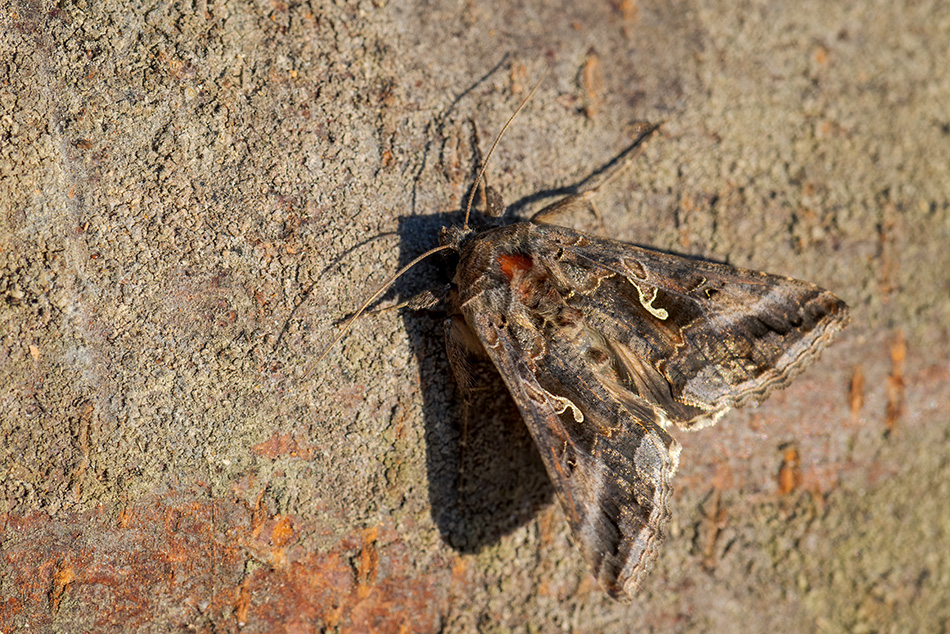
x: 511, y: 263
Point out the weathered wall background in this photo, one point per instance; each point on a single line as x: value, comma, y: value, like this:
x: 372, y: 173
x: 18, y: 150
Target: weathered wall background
x: 193, y: 192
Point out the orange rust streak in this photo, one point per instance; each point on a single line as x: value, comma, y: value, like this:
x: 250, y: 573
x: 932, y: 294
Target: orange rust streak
x: 368, y: 562
x: 790, y: 473
x: 283, y: 531
x: 242, y: 605
x: 310, y: 586
x: 511, y: 263
x: 62, y: 579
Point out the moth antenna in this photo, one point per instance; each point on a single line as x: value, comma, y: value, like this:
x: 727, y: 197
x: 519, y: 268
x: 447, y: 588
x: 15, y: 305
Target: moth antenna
x: 481, y: 171
x: 372, y: 298
x: 468, y: 208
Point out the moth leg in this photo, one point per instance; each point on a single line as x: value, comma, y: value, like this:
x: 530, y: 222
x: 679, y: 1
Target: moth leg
x: 487, y: 203
x: 429, y: 299
x: 494, y: 203
x: 461, y: 344
x: 567, y: 206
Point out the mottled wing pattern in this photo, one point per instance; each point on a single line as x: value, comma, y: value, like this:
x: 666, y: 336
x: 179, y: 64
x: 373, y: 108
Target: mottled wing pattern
x: 610, y: 463
x: 602, y: 344
x: 696, y: 338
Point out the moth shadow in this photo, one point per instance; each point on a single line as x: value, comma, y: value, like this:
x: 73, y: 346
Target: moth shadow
x: 485, y: 474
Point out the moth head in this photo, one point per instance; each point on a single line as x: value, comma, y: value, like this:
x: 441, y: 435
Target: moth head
x: 454, y: 237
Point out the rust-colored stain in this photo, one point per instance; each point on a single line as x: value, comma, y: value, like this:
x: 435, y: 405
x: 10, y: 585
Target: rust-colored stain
x: 629, y: 13
x: 724, y: 478
x: 790, y: 473
x: 242, y: 606
x: 62, y: 578
x: 895, y: 382
x: 123, y: 518
x: 283, y: 531
x: 183, y: 560
x: 368, y: 568
x: 292, y: 445
x: 517, y: 75
x: 593, y: 80
x: 856, y: 399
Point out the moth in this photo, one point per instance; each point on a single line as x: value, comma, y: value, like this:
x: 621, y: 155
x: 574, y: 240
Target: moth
x: 605, y: 346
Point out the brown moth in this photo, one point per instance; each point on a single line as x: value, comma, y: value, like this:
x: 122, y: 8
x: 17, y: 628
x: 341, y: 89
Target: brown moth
x: 605, y: 345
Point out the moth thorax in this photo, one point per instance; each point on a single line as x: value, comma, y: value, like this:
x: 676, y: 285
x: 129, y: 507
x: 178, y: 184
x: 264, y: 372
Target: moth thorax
x: 513, y: 264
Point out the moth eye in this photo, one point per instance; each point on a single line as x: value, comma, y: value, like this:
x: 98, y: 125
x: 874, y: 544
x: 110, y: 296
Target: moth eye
x: 598, y: 356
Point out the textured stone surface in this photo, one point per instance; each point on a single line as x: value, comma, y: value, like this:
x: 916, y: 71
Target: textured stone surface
x: 193, y: 194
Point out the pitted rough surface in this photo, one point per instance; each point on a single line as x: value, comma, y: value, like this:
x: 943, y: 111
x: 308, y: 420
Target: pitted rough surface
x: 193, y: 194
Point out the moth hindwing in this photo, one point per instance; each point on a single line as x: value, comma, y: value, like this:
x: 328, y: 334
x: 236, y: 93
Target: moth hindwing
x: 603, y: 345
